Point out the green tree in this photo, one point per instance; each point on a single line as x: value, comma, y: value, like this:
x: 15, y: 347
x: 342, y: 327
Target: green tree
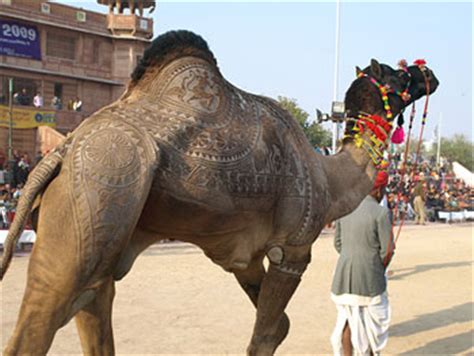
x: 315, y: 133
x: 458, y: 148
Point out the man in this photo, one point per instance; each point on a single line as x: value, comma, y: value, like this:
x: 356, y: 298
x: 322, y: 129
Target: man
x: 38, y: 101
x: 365, y: 243
x: 419, y: 202
x: 77, y: 104
x: 23, y: 98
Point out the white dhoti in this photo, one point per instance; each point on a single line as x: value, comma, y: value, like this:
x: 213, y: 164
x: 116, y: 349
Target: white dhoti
x: 368, y: 320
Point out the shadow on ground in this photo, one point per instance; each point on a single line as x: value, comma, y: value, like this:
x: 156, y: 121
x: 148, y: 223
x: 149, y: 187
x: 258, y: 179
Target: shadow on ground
x: 171, y: 248
x: 447, y: 346
x: 401, y: 273
x: 459, y: 314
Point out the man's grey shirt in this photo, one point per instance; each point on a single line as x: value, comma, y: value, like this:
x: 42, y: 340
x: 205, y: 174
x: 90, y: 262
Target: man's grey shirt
x: 362, y: 240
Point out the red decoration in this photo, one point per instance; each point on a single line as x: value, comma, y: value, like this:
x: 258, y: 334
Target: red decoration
x: 374, y: 123
x: 381, y: 180
x: 398, y: 135
x: 420, y: 62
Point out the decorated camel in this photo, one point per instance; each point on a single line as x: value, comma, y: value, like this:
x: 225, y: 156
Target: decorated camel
x: 184, y: 154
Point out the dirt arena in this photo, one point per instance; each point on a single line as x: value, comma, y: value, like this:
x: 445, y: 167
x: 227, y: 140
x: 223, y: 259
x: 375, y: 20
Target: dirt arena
x: 177, y: 302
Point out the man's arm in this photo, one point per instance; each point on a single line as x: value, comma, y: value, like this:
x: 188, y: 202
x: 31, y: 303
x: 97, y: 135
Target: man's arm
x: 387, y: 243
x: 337, y: 237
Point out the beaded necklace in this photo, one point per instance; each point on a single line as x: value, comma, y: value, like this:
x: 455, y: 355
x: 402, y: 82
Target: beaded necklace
x: 380, y: 129
x: 385, y: 90
x: 379, y: 132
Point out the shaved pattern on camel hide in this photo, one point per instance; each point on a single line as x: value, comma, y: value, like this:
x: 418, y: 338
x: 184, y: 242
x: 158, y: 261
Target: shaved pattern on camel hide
x: 109, y: 157
x: 222, y: 147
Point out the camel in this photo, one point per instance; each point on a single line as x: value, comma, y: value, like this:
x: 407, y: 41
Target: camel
x: 184, y: 154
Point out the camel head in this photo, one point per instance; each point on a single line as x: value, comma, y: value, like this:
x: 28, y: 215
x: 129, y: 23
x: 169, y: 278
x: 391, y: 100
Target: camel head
x: 377, y: 96
x: 364, y: 94
x: 404, y: 85
x: 384, y: 91
x: 422, y: 80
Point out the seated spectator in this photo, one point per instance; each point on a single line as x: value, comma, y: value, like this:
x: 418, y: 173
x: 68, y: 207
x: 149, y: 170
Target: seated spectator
x: 430, y: 204
x: 23, y: 170
x: 23, y: 98
x: 5, y: 193
x: 463, y: 202
x: 56, y: 103
x: 450, y: 203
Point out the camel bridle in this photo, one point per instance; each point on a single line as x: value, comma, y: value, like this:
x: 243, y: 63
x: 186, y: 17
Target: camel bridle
x: 379, y: 127
x: 393, y: 241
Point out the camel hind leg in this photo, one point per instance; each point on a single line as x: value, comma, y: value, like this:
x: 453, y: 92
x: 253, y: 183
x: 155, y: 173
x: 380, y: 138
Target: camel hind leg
x: 86, y: 218
x: 51, y: 289
x: 94, y: 322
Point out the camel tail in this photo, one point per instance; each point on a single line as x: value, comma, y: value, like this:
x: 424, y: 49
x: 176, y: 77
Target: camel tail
x: 37, y: 181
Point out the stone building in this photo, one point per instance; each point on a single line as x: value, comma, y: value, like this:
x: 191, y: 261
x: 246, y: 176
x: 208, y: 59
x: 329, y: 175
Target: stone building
x: 68, y: 53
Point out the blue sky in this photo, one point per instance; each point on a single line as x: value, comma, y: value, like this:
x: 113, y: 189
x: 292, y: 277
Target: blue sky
x: 282, y: 48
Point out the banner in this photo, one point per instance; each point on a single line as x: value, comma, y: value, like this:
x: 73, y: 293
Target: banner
x: 19, y: 40
x: 27, y: 118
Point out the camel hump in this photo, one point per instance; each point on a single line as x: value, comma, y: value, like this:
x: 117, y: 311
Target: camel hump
x: 170, y: 46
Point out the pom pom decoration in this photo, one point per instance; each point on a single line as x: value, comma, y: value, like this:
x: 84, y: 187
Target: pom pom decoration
x: 381, y: 180
x: 405, y: 96
x: 398, y: 135
x: 421, y: 63
x: 402, y: 64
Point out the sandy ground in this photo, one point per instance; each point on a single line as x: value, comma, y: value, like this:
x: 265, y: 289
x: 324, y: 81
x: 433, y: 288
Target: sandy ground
x: 175, y: 301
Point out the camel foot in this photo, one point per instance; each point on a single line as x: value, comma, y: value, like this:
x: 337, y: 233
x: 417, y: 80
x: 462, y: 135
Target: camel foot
x: 268, y: 344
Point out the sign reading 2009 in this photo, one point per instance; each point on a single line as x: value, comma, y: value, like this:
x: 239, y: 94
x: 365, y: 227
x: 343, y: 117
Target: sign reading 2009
x: 18, y: 39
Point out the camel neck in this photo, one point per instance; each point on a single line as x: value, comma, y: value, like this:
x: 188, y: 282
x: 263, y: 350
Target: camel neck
x: 350, y: 175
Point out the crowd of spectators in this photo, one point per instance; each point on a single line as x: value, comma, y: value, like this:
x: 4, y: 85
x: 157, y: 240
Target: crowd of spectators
x: 435, y: 185
x: 24, y: 98
x: 12, y: 180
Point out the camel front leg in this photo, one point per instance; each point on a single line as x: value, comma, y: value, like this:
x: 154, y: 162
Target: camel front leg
x: 251, y: 279
x: 94, y: 322
x: 287, y: 264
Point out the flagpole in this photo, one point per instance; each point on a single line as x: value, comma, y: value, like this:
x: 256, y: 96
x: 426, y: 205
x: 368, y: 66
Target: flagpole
x: 10, y: 119
x: 335, y: 126
x: 438, y: 151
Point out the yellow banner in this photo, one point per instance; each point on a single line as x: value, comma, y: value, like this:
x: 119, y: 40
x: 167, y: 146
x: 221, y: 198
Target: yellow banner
x: 27, y: 118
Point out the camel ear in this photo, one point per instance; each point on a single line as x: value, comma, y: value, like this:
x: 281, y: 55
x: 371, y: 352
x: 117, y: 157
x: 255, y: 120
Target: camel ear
x: 358, y: 70
x: 375, y: 68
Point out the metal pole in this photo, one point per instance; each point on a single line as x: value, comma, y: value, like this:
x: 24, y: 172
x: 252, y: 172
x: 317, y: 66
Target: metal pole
x: 438, y: 150
x: 10, y: 122
x: 335, y: 126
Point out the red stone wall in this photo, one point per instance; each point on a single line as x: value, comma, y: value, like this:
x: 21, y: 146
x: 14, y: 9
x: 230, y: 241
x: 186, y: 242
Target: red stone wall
x: 99, y: 55
x: 24, y: 141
